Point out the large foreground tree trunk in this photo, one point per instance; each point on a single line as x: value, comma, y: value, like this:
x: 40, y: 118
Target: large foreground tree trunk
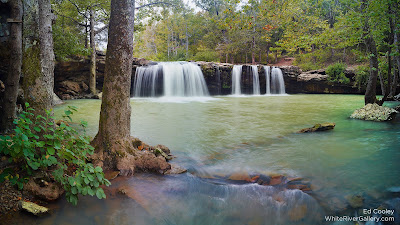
x: 14, y: 69
x: 115, y: 148
x: 115, y: 114
x: 38, y: 63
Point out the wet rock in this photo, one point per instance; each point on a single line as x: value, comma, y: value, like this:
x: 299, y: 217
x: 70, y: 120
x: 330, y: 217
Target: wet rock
x: 240, y: 176
x: 318, y: 127
x: 263, y: 179
x: 48, y: 192
x: 355, y: 201
x: 175, y: 169
x: 110, y: 175
x: 148, y: 162
x: 374, y: 112
x: 164, y: 148
x: 276, y: 180
x: 158, y: 152
x: 33, y: 208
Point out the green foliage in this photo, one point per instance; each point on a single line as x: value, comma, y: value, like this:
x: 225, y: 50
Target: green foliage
x: 40, y: 145
x: 362, y: 75
x: 67, y: 43
x: 207, y: 55
x: 335, y: 73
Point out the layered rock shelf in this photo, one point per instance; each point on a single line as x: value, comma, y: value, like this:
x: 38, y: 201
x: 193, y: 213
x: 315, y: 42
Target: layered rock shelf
x: 72, y: 79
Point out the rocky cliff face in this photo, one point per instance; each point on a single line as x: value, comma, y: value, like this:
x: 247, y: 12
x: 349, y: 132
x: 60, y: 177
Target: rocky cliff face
x: 72, y: 79
x: 316, y: 82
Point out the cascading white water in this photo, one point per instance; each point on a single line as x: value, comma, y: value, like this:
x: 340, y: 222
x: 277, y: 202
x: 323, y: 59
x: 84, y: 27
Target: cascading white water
x: 180, y: 79
x: 236, y: 77
x: 256, y: 81
x: 145, y: 81
x: 277, y: 82
x: 267, y: 70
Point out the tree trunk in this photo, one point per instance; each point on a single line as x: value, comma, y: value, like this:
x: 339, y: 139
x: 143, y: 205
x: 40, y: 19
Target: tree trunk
x: 92, y: 78
x: 370, y: 92
x: 14, y: 70
x: 115, y: 114
x: 38, y: 64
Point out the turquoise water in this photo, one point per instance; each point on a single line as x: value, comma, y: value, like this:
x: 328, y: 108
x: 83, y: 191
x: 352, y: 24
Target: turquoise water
x: 257, y: 135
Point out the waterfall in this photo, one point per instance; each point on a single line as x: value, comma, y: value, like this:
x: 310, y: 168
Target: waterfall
x: 236, y: 77
x: 267, y: 71
x: 146, y: 81
x: 179, y: 79
x: 277, y: 82
x: 256, y: 81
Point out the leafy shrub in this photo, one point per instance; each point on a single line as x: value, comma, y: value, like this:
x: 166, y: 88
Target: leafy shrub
x: 40, y: 145
x: 362, y: 75
x: 335, y: 73
x: 207, y: 55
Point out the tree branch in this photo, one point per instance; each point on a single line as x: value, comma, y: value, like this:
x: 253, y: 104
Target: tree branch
x: 101, y: 29
x: 77, y: 22
x: 153, y: 3
x: 77, y: 8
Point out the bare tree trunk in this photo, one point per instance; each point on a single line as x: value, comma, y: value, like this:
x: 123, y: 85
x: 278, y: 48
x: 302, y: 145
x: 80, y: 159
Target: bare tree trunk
x: 370, y: 92
x: 226, y: 58
x: 14, y: 69
x: 187, y: 43
x: 92, y: 77
x: 115, y: 114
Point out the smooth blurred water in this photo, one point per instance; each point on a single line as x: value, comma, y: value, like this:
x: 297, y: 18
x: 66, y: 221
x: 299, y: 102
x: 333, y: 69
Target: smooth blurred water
x: 256, y: 134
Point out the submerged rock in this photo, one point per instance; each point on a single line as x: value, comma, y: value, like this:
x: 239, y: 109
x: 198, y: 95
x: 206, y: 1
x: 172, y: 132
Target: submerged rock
x: 355, y: 201
x: 374, y: 112
x: 318, y: 127
x: 33, y: 208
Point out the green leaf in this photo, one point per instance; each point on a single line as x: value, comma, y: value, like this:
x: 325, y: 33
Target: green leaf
x: 100, y: 193
x: 86, y: 180
x: 51, y: 150
x: 24, y: 137
x: 40, y: 144
x: 37, y: 129
x: 90, y: 191
x: 84, y: 191
x: 71, y: 181
x: 98, y: 169
x: 74, y: 190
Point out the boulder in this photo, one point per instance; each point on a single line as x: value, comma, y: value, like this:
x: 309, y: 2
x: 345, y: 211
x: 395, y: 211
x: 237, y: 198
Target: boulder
x: 374, y: 112
x: 70, y: 87
x: 175, y: 169
x: 33, y: 208
x: 56, y: 100
x: 318, y: 127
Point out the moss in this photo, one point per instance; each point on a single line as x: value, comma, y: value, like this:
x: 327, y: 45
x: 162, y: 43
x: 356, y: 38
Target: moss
x: 31, y: 66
